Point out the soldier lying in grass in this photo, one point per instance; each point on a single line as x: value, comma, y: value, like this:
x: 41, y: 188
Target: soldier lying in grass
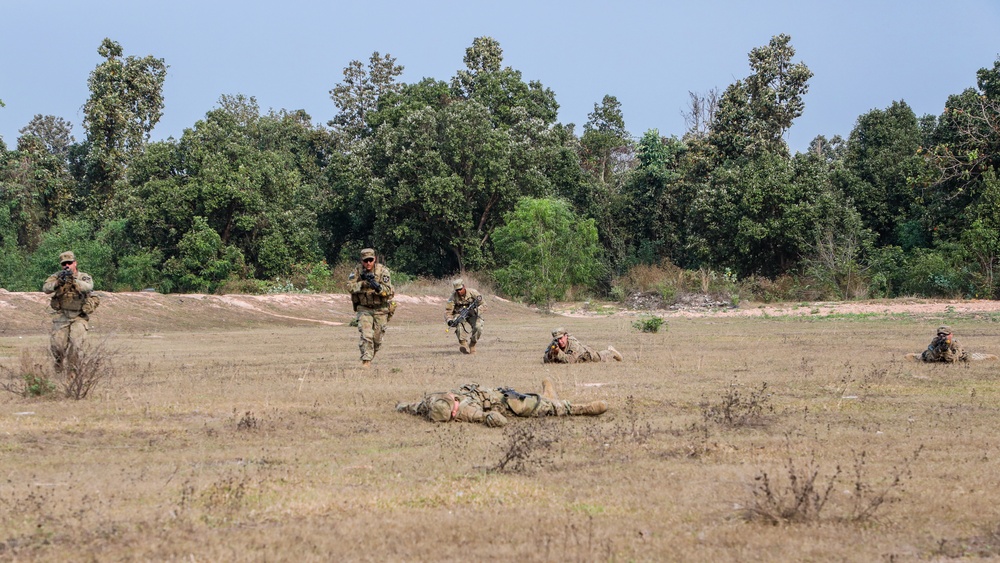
x: 946, y: 348
x: 474, y: 403
x: 566, y: 349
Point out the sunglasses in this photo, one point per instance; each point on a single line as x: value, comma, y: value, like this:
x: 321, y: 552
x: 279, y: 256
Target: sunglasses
x: 368, y: 260
x: 68, y: 263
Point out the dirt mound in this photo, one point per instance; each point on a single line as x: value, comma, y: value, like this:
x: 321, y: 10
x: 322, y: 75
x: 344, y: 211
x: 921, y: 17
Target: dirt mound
x: 29, y: 312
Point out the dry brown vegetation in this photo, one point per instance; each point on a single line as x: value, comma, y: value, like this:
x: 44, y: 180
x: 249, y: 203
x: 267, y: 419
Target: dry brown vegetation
x: 241, y: 429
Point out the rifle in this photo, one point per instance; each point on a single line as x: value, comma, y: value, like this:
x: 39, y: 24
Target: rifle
x: 65, y: 276
x: 510, y: 392
x: 369, y: 278
x: 553, y: 350
x: 466, y: 311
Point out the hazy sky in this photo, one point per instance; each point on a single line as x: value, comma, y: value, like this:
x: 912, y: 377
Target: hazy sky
x: 649, y: 54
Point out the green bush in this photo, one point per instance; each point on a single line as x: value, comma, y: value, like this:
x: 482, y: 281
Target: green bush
x: 934, y: 273
x: 649, y: 323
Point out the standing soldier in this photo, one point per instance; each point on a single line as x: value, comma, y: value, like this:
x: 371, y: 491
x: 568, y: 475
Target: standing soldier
x: 71, y: 298
x: 372, y: 298
x: 566, y: 349
x: 462, y: 313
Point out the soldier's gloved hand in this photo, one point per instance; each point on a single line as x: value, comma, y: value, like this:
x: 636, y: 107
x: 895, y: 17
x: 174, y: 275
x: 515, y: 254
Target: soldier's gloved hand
x: 495, y: 419
x: 64, y: 276
x: 374, y: 285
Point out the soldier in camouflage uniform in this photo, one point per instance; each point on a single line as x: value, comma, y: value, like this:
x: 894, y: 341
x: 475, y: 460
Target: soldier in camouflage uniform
x: 566, y: 349
x: 474, y: 403
x: 470, y: 328
x: 944, y: 348
x: 70, y: 290
x: 372, y: 298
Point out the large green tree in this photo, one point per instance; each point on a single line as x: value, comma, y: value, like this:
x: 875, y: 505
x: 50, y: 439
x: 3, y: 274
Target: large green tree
x: 55, y: 133
x: 254, y: 180
x: 754, y: 113
x: 545, y: 249
x: 126, y: 102
x: 359, y: 93
x: 448, y: 161
x: 880, y: 161
x: 759, y: 217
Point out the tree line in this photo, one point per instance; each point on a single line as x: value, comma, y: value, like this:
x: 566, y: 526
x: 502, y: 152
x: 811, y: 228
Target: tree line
x: 476, y: 174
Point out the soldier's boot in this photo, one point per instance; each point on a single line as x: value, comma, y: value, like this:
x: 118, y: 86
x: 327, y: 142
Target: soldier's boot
x: 589, y: 409
x: 366, y: 364
x: 549, y: 390
x: 472, y: 347
x: 463, y: 346
x: 616, y: 354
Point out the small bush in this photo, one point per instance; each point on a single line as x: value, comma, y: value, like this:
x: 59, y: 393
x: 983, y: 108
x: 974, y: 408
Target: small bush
x: 32, y: 378
x: 86, y: 368
x: 650, y: 323
x: 524, y: 443
x: 803, y: 495
x: 736, y: 409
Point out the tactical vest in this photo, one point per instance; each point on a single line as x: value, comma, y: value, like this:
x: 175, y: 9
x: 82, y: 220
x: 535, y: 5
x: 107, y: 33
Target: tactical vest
x: 368, y: 297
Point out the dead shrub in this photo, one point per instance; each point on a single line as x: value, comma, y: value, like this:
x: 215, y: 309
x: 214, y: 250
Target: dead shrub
x: 804, y: 494
x: 735, y: 409
x: 984, y: 545
x: 92, y: 364
x: 247, y: 422
x: 527, y: 444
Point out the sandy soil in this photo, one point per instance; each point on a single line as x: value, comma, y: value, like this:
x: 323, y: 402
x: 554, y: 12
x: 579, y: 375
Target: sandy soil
x: 28, y: 312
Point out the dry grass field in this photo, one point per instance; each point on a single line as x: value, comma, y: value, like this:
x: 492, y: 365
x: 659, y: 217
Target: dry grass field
x: 243, y: 429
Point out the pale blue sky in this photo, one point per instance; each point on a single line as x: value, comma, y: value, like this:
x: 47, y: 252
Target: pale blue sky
x: 864, y: 54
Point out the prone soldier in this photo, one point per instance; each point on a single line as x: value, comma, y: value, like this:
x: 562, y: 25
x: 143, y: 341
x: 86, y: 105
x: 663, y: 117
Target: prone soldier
x: 566, y: 349
x: 474, y: 403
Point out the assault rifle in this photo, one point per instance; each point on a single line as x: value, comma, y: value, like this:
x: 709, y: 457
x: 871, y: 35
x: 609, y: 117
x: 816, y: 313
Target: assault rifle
x: 65, y: 276
x: 466, y: 311
x: 553, y: 350
x: 510, y: 392
x: 369, y: 277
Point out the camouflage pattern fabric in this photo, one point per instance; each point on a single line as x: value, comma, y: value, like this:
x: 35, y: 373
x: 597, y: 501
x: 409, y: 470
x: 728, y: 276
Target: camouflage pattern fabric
x: 574, y: 352
x: 471, y: 329
x: 944, y: 348
x: 70, y: 326
x: 373, y: 307
x: 474, y: 403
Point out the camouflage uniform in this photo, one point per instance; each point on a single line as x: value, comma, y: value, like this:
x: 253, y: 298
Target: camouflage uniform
x: 473, y: 403
x: 469, y: 330
x: 944, y: 348
x: 574, y: 351
x: 69, y: 300
x: 373, y: 306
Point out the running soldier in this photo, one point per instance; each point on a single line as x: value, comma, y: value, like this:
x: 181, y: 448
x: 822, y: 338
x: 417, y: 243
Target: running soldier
x: 372, y: 295
x: 463, y: 313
